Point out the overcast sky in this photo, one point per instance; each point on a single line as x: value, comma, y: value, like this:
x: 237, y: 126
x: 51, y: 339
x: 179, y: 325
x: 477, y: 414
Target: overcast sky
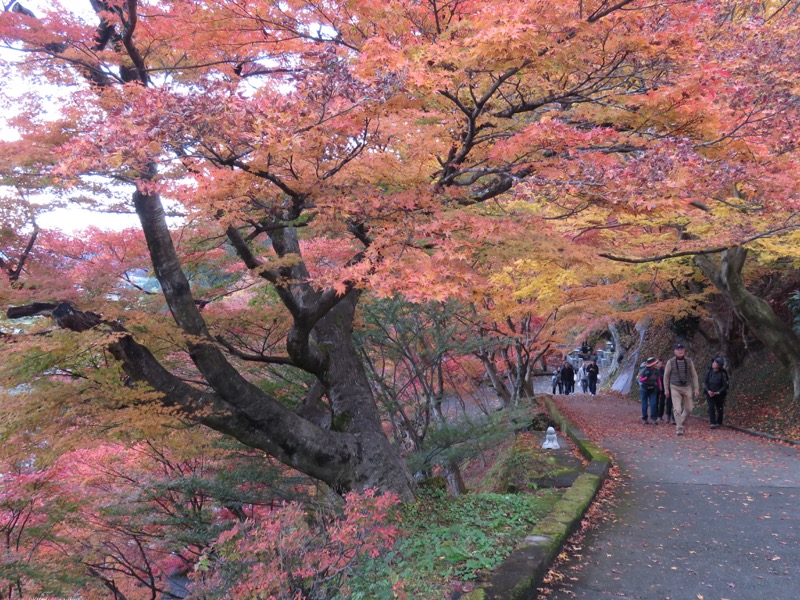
x: 68, y: 220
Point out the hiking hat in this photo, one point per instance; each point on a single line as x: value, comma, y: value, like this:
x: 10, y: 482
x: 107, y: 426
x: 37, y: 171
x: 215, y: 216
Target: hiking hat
x: 651, y: 361
x: 679, y: 346
x: 719, y: 361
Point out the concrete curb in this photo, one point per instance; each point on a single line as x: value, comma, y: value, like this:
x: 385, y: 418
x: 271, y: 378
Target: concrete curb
x: 522, y: 572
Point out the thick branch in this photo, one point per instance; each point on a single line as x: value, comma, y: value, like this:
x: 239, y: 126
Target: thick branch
x: 30, y: 310
x: 291, y: 439
x: 658, y: 257
x: 140, y: 71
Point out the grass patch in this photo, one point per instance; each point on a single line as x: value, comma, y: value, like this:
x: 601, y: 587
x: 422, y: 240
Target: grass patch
x: 449, y: 541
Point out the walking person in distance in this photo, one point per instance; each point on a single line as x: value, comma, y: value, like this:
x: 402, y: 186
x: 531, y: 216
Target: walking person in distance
x: 593, y: 375
x: 557, y: 383
x: 649, y: 381
x: 680, y: 383
x: 568, y: 377
x: 715, y: 387
x: 663, y: 408
x: 583, y: 377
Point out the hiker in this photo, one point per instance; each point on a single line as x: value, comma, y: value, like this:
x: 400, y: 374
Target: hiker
x: 583, y: 377
x: 568, y: 377
x: 664, y: 406
x: 648, y: 389
x: 557, y: 385
x: 680, y: 384
x: 593, y: 375
x: 664, y: 399
x: 715, y: 387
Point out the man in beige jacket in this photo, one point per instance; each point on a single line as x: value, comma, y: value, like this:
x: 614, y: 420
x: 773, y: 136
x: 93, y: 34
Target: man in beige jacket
x: 680, y: 384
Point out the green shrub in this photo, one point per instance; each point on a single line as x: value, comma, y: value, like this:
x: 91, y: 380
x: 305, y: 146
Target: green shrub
x: 451, y: 539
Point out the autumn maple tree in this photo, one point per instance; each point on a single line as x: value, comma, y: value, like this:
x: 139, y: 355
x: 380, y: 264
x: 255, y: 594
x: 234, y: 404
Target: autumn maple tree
x: 312, y: 153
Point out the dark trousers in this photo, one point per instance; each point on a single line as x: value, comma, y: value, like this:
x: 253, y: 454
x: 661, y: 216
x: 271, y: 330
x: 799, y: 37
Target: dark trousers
x: 716, y: 404
x: 662, y: 404
x: 649, y: 397
x: 592, y: 386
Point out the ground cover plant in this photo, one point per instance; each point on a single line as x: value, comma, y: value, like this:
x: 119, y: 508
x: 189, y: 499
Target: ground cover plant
x: 451, y: 544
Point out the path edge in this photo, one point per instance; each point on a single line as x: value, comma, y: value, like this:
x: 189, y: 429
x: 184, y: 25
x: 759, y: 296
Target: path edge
x: 523, y: 571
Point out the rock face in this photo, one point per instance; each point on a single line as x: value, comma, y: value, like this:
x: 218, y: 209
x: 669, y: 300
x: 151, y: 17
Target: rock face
x: 628, y: 369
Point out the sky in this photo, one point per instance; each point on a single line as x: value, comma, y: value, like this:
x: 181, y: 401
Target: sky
x: 68, y: 220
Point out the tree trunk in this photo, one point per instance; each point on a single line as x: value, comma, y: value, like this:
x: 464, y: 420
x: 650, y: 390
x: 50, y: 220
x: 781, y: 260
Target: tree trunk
x: 520, y: 377
x: 622, y: 348
x: 497, y: 383
x: 353, y: 454
x: 452, y: 472
x: 755, y: 312
x: 353, y: 405
x: 722, y: 317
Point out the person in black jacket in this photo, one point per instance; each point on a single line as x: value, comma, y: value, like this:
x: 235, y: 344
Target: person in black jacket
x: 568, y: 377
x: 715, y: 388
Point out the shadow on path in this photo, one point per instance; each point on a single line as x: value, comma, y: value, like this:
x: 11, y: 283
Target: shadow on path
x: 713, y: 514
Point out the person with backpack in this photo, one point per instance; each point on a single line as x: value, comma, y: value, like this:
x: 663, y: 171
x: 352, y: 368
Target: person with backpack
x: 649, y: 378
x: 715, y: 387
x: 680, y: 384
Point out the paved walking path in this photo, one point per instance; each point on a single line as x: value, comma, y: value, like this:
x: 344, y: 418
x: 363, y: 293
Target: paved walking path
x: 713, y: 514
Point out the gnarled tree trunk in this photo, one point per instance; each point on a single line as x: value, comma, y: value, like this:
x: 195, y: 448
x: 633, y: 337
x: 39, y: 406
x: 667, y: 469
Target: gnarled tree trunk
x: 354, y: 453
x: 755, y: 312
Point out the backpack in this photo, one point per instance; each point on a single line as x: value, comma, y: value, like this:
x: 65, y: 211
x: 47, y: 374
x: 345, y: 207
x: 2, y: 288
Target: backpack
x: 648, y: 378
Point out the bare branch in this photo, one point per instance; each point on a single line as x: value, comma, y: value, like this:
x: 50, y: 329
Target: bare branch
x: 250, y: 357
x: 604, y: 10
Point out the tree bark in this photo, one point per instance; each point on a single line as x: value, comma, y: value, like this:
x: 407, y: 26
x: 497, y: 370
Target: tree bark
x: 452, y: 471
x: 499, y: 386
x: 755, y: 312
x: 356, y: 453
